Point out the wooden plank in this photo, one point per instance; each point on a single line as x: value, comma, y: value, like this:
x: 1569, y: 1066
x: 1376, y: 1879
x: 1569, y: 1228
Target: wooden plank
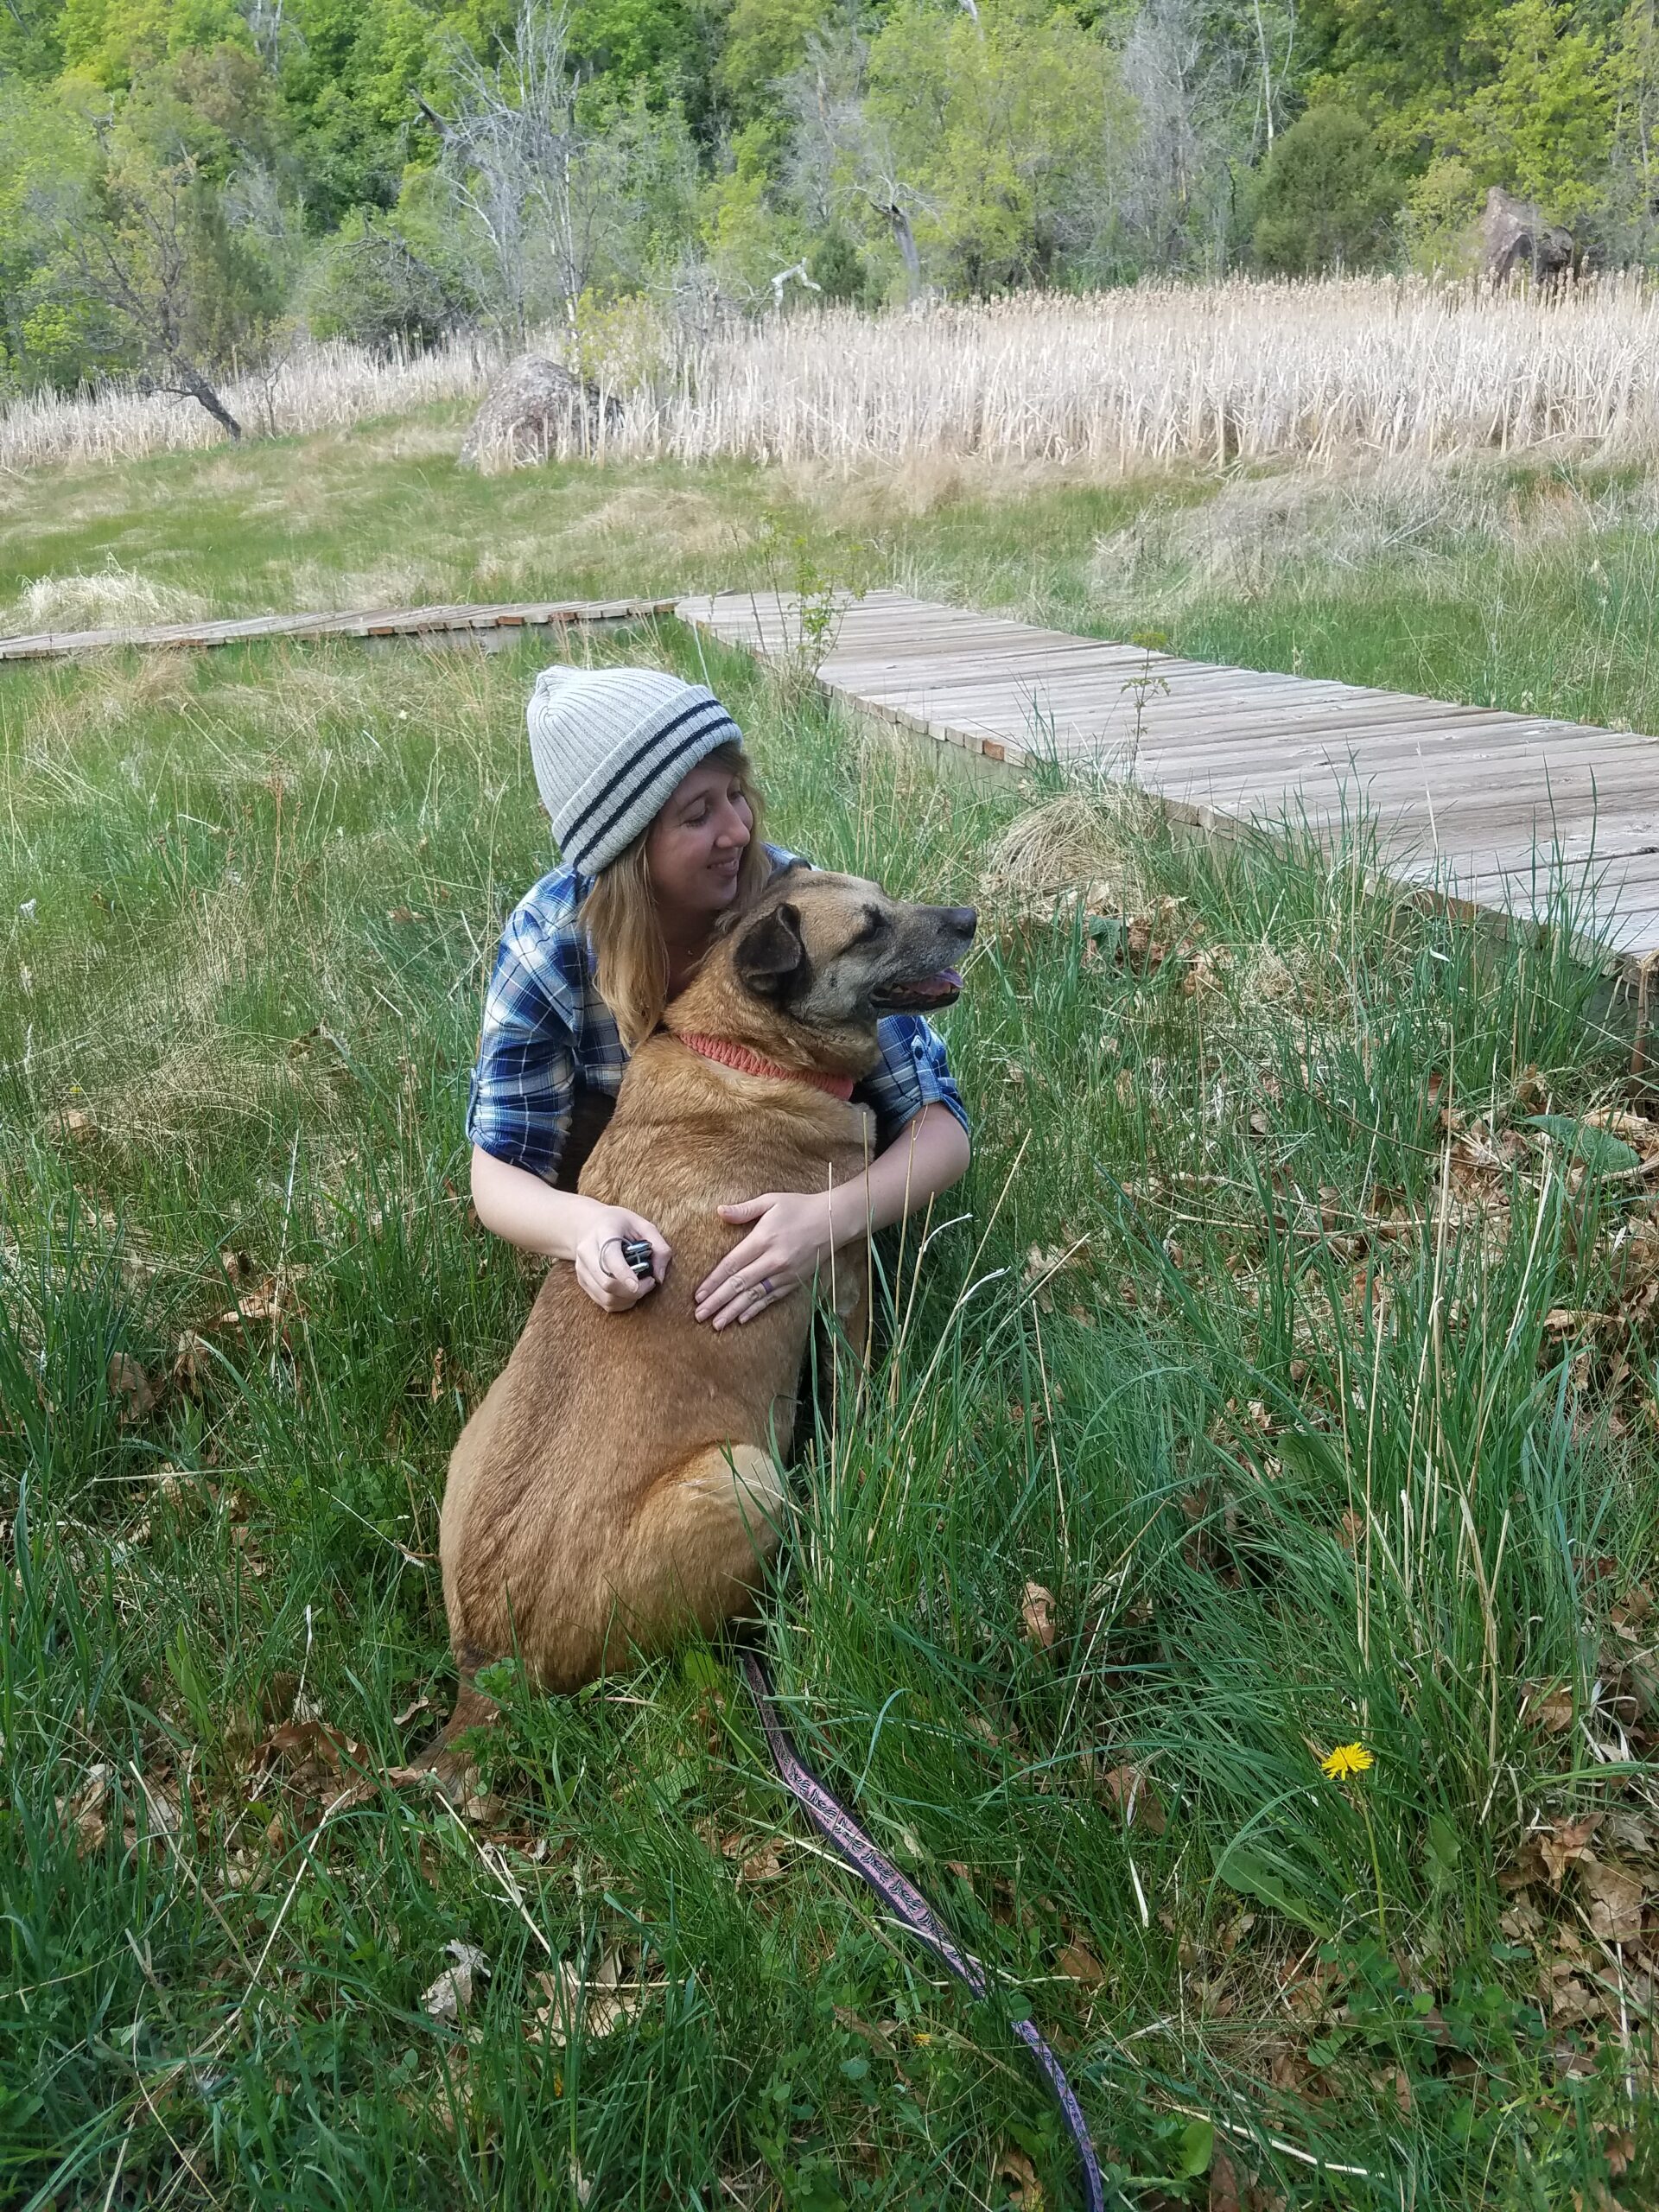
x: 1451, y: 792
x: 1485, y: 769
x: 406, y: 621
x: 1526, y: 769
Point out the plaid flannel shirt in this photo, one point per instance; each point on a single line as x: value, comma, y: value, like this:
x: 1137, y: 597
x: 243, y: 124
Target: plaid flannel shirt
x: 547, y: 1033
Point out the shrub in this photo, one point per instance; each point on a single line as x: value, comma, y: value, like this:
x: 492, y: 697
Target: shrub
x: 1326, y: 199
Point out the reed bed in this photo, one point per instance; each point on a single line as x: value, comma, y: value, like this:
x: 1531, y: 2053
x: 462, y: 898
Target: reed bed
x: 1242, y: 371
x: 320, y: 387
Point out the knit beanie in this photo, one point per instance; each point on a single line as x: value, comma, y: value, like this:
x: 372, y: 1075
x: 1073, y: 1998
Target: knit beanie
x: 609, y: 746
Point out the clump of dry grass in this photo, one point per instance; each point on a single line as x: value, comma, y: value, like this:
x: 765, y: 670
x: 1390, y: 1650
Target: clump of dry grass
x: 1159, y: 373
x: 1089, y: 843
x: 111, y: 598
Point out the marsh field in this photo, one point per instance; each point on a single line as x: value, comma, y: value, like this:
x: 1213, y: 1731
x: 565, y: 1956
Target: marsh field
x: 1283, y: 1379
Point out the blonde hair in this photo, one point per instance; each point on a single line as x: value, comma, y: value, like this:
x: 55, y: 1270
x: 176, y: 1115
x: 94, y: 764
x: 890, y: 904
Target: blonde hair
x: 619, y: 915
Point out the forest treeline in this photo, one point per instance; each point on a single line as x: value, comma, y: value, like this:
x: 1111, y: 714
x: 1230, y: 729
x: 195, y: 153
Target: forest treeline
x: 186, y: 185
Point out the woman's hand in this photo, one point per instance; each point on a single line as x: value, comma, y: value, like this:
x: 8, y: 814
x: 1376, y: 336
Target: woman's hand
x: 600, y: 1268
x: 790, y: 1240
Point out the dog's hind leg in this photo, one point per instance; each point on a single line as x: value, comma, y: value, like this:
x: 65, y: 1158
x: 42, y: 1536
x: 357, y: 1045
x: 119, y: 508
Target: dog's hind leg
x: 698, y: 1545
x: 443, y: 1756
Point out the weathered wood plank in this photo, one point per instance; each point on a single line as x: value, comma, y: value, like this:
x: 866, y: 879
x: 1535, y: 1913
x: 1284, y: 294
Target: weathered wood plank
x: 1499, y: 808
x: 403, y: 621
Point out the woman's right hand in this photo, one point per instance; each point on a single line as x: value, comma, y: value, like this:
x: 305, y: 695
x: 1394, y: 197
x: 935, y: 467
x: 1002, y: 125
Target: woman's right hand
x: 600, y: 1268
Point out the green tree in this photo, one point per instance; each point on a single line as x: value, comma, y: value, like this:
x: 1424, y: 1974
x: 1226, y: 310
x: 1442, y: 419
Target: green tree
x: 665, y: 49
x: 31, y: 41
x: 1326, y: 199
x: 1003, y: 132
x: 173, y: 285
x: 1543, y: 126
x: 764, y: 40
x: 117, y: 42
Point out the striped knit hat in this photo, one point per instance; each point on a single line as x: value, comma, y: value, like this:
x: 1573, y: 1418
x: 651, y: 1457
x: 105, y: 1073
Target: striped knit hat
x: 609, y: 746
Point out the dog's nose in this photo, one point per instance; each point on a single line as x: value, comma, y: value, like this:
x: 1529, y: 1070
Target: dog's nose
x: 964, y: 918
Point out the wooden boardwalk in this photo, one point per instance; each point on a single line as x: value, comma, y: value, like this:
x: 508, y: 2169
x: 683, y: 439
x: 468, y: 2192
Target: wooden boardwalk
x: 1465, y: 800
x: 440, y: 624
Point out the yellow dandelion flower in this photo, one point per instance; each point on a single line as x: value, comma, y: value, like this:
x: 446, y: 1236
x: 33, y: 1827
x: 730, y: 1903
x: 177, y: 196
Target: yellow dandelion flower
x: 1347, y: 1759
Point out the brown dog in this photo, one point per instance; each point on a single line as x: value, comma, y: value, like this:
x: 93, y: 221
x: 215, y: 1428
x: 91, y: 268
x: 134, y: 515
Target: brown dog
x: 620, y: 1481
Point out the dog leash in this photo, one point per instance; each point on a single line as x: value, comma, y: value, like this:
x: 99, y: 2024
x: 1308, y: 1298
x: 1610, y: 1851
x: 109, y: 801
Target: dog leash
x: 832, y: 1820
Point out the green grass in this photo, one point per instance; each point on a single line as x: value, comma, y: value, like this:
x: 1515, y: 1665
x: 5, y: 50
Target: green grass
x: 1338, y: 1423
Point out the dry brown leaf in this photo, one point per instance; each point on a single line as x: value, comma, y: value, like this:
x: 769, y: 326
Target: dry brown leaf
x: 1136, y: 1799
x: 132, y: 1387
x: 597, y: 2007
x: 1615, y: 1901
x: 848, y: 2019
x: 1019, y: 2177
x: 1546, y: 1856
x: 315, y: 1751
x: 1634, y: 1129
x: 1223, y: 2183
x: 191, y: 1361
x: 1078, y: 1963
x: 1290, y: 2072
x: 85, y: 1808
x: 1552, y: 1710
x: 1037, y: 1616
x: 1632, y: 1834
x: 452, y: 1993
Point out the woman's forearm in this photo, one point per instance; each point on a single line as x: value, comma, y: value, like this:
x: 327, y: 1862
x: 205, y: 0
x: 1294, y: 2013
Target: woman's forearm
x: 528, y: 1213
x: 927, y: 1156
x: 566, y: 1225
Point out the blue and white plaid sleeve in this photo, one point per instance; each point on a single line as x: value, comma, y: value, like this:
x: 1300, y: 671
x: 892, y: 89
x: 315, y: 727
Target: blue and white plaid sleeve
x: 519, y: 1108
x: 912, y: 1073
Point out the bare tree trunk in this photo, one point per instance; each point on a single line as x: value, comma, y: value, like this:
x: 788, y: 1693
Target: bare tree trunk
x: 905, y: 239
x: 189, y: 381
x: 1266, y: 71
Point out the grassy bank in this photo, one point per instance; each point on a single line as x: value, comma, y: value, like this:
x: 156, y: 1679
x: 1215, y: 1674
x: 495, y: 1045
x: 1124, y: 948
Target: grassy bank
x: 1289, y: 1383
x: 1528, y: 584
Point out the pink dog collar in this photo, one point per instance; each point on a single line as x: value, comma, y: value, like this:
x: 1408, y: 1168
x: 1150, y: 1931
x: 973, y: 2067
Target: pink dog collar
x: 739, y: 1058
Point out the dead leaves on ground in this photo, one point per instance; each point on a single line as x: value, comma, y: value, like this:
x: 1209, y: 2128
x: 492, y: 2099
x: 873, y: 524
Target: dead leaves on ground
x: 1583, y: 1897
x: 150, y: 1810
x: 755, y: 1862
x: 595, y: 2001
x: 451, y: 1995
x: 1036, y: 1621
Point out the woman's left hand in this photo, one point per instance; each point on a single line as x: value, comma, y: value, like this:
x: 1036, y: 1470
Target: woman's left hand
x: 789, y: 1241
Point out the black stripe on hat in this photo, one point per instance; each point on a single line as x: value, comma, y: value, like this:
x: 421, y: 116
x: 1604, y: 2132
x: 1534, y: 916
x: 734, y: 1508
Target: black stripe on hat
x: 591, y: 836
x: 629, y: 768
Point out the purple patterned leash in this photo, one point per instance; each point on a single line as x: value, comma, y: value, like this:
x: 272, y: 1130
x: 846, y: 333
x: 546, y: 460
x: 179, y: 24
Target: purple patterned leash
x: 832, y: 1820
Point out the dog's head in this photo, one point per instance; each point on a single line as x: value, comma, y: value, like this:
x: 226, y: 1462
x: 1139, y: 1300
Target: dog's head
x: 823, y: 957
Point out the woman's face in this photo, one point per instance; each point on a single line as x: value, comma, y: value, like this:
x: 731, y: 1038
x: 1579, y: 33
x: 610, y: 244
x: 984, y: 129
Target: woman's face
x: 695, y: 847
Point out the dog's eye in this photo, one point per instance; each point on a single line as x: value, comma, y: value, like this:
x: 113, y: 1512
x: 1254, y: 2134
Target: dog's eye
x: 874, y: 924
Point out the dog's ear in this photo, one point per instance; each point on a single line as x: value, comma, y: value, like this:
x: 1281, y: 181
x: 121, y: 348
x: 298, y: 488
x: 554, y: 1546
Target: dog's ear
x: 731, y: 921
x: 770, y: 952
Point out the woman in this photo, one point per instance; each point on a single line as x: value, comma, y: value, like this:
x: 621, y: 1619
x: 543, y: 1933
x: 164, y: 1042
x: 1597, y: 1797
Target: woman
x: 645, y: 782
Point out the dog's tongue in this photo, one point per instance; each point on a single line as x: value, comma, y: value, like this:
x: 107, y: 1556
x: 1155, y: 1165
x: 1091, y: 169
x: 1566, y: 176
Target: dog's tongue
x: 932, y: 990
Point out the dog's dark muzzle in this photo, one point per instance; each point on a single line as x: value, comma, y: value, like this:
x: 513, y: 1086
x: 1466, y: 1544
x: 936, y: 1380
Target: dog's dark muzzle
x: 951, y: 933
